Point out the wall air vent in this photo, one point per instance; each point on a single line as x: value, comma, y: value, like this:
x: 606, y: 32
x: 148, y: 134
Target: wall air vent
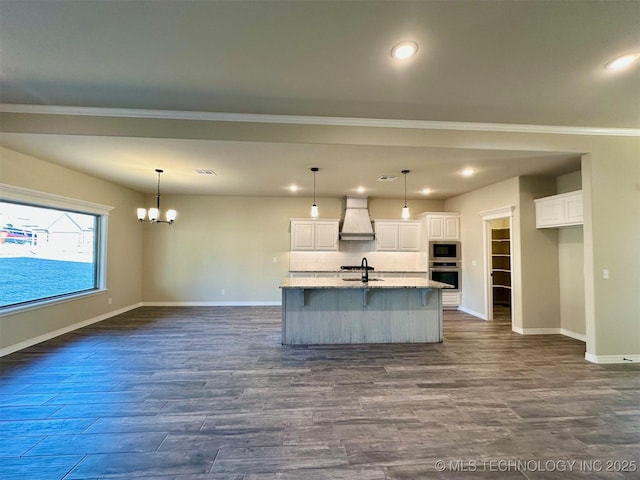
x: 205, y: 171
x: 387, y: 178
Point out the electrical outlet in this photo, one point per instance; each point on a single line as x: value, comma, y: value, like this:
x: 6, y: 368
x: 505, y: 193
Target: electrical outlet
x: 110, y: 300
x: 605, y: 273
x: 222, y: 292
x: 275, y: 260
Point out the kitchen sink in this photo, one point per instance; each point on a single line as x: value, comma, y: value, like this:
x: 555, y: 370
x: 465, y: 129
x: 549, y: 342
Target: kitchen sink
x: 360, y: 280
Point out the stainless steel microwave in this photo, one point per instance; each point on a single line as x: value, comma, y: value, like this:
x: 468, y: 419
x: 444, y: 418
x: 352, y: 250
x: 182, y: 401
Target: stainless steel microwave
x: 443, y: 251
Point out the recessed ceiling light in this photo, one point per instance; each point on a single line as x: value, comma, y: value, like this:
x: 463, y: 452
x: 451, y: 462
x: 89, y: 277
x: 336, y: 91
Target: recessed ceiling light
x: 360, y: 189
x: 404, y: 50
x: 293, y: 188
x: 426, y: 191
x: 467, y: 172
x: 623, y: 61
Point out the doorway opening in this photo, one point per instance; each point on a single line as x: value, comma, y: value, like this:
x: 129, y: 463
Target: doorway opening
x: 500, y: 267
x: 498, y: 263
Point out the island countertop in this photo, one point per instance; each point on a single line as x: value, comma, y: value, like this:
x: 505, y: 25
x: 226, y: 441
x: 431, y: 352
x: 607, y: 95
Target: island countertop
x: 324, y: 283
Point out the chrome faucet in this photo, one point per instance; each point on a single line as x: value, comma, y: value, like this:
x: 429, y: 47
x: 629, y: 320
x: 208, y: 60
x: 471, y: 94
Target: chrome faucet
x: 364, y: 265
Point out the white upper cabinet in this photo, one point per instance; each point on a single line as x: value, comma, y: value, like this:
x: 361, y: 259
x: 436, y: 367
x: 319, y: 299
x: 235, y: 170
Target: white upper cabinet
x: 559, y: 210
x: 397, y: 235
x: 442, y: 225
x: 326, y: 235
x: 314, y: 235
x: 409, y: 236
x: 386, y: 235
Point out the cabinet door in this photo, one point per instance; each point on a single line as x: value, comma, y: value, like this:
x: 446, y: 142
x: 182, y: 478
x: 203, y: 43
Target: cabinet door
x: 302, y: 236
x: 435, y: 227
x: 409, y: 237
x: 549, y: 212
x: 573, y: 209
x: 326, y: 235
x: 386, y: 236
x: 451, y: 228
x: 451, y: 299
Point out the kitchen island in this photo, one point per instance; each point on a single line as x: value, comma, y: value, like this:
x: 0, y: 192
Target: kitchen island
x: 340, y: 311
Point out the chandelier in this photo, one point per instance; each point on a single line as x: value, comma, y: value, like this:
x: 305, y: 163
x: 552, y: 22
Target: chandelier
x: 154, y: 213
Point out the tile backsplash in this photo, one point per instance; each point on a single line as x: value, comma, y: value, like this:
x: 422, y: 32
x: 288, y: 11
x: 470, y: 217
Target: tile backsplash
x: 351, y: 253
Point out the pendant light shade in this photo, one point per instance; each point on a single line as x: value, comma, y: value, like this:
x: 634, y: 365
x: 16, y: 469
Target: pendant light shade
x: 314, y: 207
x: 154, y: 213
x: 405, y: 209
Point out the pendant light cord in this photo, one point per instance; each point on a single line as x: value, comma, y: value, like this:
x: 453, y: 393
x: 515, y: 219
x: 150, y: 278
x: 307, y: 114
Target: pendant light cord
x: 158, y: 191
x: 404, y: 172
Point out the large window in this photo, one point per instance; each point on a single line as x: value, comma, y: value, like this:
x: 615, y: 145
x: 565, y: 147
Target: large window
x: 48, y: 253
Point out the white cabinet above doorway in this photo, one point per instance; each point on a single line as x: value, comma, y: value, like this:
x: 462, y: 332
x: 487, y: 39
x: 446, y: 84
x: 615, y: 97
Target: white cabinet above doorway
x: 562, y: 210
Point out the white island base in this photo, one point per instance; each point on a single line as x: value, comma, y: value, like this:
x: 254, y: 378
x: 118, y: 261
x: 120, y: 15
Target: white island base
x: 334, y: 311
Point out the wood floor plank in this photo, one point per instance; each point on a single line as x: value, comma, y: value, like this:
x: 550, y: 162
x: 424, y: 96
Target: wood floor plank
x: 210, y: 393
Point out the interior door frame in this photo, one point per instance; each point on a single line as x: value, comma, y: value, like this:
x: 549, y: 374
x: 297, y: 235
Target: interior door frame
x: 487, y: 217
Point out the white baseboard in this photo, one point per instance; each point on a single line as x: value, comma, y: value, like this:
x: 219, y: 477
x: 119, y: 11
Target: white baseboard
x: 212, y: 304
x: 611, y: 358
x: 479, y: 315
x: 578, y: 336
x: 549, y: 331
x: 61, y: 331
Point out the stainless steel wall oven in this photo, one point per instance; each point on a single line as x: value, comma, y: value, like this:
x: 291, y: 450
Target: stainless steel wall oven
x: 446, y: 272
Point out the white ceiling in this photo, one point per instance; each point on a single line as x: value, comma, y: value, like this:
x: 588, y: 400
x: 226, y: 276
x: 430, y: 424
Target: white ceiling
x: 531, y: 62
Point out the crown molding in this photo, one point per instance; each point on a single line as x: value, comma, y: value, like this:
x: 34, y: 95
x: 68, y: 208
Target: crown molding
x: 314, y: 120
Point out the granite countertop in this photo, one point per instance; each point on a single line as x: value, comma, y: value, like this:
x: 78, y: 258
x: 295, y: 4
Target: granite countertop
x: 318, y: 283
x: 329, y: 270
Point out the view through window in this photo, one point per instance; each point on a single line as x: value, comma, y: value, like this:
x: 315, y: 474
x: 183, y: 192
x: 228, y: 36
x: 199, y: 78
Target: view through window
x: 45, y: 253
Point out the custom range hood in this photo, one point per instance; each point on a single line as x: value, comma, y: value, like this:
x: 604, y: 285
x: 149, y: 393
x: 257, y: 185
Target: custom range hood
x: 356, y: 224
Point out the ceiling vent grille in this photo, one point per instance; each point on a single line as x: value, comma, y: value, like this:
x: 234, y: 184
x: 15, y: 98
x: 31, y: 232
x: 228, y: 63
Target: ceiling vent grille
x: 387, y: 178
x: 205, y: 171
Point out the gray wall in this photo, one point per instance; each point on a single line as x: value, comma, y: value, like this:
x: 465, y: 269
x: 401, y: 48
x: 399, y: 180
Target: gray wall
x: 229, y: 243
x: 571, y: 267
x: 470, y: 205
x: 540, y: 287
x: 124, y: 247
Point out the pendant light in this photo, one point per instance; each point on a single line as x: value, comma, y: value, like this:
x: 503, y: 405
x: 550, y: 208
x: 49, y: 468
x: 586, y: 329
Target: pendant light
x: 405, y: 209
x: 314, y: 207
x: 154, y: 213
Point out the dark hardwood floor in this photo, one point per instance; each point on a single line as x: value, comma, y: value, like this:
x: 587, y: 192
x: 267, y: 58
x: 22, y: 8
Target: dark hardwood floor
x: 209, y: 393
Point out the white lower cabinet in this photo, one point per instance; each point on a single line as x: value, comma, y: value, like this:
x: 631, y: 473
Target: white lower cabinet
x: 451, y: 299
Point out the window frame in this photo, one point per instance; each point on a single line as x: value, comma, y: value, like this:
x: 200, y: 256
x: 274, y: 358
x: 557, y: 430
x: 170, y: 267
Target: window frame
x: 29, y: 197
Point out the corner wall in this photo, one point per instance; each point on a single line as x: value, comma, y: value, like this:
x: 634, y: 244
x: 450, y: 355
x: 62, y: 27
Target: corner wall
x: 469, y: 205
x: 571, y: 267
x: 540, y: 289
x: 124, y: 251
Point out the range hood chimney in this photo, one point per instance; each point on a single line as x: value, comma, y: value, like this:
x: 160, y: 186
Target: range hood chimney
x: 356, y: 224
